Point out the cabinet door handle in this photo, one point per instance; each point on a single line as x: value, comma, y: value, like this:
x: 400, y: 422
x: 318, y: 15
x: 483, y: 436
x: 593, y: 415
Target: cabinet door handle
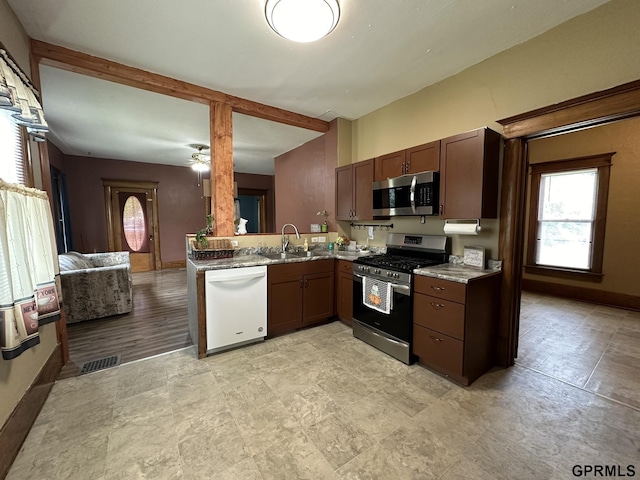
x: 437, y: 305
x: 436, y: 339
x: 437, y: 289
x: 441, y: 209
x: 407, y: 166
x: 305, y: 283
x: 301, y: 283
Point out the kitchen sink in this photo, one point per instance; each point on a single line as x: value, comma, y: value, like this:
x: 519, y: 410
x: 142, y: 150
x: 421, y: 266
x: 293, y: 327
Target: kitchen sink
x: 310, y: 254
x: 284, y: 256
x: 279, y: 256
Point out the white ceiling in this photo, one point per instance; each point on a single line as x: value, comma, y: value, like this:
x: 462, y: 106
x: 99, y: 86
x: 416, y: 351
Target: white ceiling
x: 380, y: 51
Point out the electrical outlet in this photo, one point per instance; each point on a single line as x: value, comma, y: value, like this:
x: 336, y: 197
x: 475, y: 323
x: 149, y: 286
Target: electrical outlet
x: 370, y: 233
x: 314, y: 239
x: 322, y: 239
x: 234, y: 243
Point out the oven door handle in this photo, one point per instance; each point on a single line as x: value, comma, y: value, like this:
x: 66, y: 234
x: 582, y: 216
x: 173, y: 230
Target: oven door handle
x: 402, y: 289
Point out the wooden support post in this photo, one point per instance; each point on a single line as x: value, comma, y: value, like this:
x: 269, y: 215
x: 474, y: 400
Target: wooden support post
x: 511, y: 241
x: 221, y: 168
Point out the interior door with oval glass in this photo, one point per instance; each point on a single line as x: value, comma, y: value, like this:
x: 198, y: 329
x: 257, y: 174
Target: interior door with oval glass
x: 132, y: 220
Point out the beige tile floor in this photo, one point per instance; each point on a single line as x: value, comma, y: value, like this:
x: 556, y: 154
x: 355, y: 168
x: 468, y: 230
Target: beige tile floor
x: 319, y: 404
x: 593, y: 347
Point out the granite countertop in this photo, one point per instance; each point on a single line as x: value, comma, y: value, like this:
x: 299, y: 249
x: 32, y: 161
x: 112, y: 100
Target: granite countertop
x: 456, y: 272
x: 252, y: 260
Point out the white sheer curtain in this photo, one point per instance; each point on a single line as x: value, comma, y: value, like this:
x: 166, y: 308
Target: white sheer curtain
x: 28, y: 268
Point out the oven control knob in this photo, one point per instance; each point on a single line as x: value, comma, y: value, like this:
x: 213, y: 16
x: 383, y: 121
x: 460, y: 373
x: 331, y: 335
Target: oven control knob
x: 389, y: 274
x: 397, y: 275
x: 376, y: 271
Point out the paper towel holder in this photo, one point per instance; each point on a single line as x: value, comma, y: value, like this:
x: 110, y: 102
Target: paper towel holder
x: 471, y: 222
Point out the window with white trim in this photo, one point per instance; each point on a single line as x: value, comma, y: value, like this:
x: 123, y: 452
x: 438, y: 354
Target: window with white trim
x: 12, y: 152
x: 567, y: 217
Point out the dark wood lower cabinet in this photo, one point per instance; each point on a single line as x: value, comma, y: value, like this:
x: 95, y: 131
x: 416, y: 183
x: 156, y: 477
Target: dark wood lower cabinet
x: 299, y: 294
x: 317, y: 297
x: 455, y: 325
x: 436, y: 349
x: 344, y: 291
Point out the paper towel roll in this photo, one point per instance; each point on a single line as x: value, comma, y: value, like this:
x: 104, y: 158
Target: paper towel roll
x: 461, y: 228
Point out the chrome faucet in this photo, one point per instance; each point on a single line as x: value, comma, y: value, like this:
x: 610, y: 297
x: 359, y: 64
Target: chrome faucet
x: 285, y: 241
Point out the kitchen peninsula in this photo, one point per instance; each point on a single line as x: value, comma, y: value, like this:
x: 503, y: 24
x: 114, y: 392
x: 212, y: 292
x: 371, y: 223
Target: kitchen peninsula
x: 304, y: 289
x: 313, y: 270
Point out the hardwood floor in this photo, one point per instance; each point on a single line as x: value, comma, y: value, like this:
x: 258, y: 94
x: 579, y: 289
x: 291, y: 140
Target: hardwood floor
x: 157, y: 324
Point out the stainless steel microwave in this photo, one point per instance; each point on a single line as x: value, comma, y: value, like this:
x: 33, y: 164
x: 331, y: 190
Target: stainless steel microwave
x: 407, y: 195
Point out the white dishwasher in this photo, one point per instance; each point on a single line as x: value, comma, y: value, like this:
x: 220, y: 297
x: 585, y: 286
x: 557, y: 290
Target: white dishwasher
x: 236, y: 305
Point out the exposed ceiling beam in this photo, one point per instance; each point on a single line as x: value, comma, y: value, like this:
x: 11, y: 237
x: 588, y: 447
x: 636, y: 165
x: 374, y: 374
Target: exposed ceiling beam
x: 78, y: 62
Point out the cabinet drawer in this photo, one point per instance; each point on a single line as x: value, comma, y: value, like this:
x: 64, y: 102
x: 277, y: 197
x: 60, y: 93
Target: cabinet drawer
x: 454, y: 291
x: 345, y: 266
x: 440, y: 315
x: 437, y: 350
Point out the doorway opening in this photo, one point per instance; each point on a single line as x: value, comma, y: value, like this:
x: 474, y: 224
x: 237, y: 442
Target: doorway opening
x: 61, y: 217
x: 598, y: 108
x: 132, y: 222
x: 253, y: 207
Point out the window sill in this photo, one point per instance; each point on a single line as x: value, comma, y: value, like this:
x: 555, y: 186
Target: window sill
x: 564, y: 273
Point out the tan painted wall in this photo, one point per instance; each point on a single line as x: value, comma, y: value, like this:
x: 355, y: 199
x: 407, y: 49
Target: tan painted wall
x: 592, y: 52
x: 17, y: 375
x: 621, y: 262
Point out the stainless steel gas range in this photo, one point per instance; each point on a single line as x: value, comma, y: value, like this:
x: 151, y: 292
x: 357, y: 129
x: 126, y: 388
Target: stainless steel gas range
x: 383, y: 291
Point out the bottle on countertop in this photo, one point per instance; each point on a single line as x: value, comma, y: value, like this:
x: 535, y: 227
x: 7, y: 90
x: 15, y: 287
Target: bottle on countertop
x: 306, y: 245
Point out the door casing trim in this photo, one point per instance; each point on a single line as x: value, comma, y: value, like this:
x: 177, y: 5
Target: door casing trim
x: 109, y: 186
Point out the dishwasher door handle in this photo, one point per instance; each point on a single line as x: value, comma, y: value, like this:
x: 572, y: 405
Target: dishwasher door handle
x: 233, y: 278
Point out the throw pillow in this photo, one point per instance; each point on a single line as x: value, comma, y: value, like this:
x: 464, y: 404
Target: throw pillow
x: 73, y: 261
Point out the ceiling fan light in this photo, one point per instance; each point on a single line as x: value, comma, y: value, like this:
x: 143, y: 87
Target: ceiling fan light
x: 200, y: 167
x: 200, y: 162
x: 201, y: 157
x: 302, y: 20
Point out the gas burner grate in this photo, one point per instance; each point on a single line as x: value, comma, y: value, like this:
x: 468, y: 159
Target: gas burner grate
x: 100, y: 364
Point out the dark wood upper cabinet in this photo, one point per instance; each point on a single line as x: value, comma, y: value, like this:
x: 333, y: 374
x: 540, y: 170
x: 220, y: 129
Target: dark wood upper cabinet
x: 354, y: 191
x: 423, y: 158
x: 390, y: 165
x: 469, y: 165
x: 344, y: 192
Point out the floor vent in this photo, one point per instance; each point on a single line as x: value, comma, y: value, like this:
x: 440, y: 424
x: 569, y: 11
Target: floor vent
x: 100, y: 364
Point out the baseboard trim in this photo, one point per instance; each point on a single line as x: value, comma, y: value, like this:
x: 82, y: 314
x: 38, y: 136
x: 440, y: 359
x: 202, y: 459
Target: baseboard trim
x: 590, y: 295
x: 174, y: 264
x: 16, y: 428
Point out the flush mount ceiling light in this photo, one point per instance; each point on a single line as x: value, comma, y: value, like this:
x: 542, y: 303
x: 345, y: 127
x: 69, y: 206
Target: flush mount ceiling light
x: 200, y: 162
x: 302, y: 20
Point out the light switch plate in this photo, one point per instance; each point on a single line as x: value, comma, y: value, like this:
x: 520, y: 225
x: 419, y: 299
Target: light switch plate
x: 322, y: 239
x: 234, y: 243
x: 370, y: 233
x: 314, y: 239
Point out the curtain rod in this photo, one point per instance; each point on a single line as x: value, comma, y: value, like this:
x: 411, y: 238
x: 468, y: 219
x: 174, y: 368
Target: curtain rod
x: 15, y: 67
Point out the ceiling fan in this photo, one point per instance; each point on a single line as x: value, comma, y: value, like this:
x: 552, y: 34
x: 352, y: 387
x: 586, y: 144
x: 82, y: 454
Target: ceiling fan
x: 200, y: 162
